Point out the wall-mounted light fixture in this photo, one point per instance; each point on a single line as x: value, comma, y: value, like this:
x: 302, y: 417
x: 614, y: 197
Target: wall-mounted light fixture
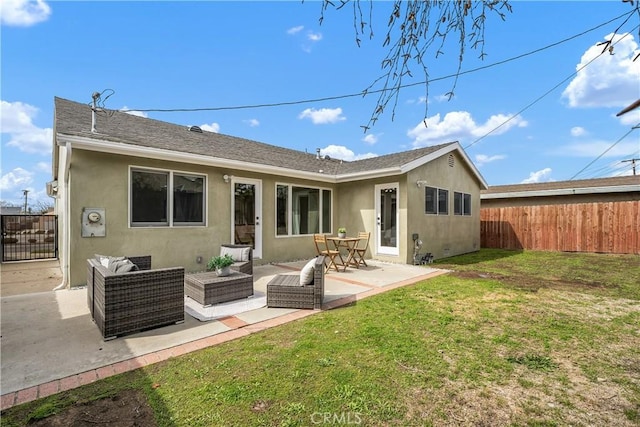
x: 421, y: 182
x: 227, y: 178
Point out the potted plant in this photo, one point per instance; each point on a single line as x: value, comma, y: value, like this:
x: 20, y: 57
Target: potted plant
x: 221, y: 264
x: 342, y: 232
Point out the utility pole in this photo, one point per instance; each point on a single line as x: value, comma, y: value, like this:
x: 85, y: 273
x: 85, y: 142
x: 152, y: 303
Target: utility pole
x: 633, y: 164
x: 25, y: 192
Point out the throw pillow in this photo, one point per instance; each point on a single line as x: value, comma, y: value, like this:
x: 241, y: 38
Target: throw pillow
x: 238, y: 254
x: 306, y: 274
x: 106, y: 260
x: 122, y: 266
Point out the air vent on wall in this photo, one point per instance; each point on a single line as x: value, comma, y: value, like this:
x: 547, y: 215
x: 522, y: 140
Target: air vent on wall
x: 194, y: 129
x: 451, y: 160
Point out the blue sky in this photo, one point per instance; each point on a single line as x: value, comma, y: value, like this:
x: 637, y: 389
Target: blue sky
x: 208, y: 54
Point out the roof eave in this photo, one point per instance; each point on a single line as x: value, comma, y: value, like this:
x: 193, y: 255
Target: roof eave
x: 372, y: 174
x: 101, y: 145
x: 562, y: 192
x: 454, y: 146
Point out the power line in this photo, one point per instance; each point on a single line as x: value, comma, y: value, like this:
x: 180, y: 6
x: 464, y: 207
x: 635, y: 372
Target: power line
x: 538, y: 99
x: 607, y: 150
x: 633, y: 164
x: 367, y: 92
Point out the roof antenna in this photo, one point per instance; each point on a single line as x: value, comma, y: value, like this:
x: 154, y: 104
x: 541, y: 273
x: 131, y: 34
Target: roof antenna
x: 95, y: 96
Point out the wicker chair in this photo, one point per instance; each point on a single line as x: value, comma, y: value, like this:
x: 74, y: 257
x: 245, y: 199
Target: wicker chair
x: 284, y: 290
x: 124, y: 303
x: 245, y: 267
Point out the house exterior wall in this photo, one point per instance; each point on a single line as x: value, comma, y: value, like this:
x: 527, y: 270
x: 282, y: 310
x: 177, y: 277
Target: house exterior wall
x: 101, y: 180
x: 357, y: 212
x: 442, y: 235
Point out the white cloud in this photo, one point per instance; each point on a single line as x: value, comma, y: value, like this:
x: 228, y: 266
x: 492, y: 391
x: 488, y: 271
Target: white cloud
x: 295, y: 30
x: 252, y: 122
x: 24, y: 13
x: 17, y: 179
x: 16, y: 120
x: 631, y: 118
x: 483, y: 159
x: 314, y: 37
x: 43, y: 167
x: 538, y: 176
x: 134, y: 112
x: 578, y: 131
x: 343, y: 153
x: 323, y: 115
x: 610, y: 80
x: 445, y: 97
x: 458, y: 125
x: 370, y: 138
x: 213, y: 127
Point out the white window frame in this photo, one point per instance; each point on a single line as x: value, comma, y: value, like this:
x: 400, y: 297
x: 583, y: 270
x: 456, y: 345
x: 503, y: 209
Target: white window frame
x: 170, y: 223
x: 463, y: 204
x: 290, y: 209
x: 436, y: 201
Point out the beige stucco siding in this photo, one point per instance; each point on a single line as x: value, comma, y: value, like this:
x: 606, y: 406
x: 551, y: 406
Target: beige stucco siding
x: 443, y: 235
x: 356, y: 211
x: 100, y: 180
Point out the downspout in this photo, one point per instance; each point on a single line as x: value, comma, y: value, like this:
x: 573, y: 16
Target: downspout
x: 66, y: 203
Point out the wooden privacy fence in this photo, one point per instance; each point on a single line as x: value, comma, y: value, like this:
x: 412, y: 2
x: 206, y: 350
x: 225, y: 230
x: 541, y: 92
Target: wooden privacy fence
x: 607, y: 227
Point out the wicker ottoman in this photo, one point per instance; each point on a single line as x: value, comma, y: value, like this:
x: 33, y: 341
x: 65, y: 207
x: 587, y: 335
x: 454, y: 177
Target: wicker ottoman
x: 208, y: 288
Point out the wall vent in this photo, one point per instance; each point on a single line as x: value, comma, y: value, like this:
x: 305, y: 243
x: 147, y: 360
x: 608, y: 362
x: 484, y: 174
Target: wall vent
x: 451, y: 160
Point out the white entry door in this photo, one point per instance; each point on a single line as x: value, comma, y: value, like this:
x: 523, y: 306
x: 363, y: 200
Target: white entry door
x: 246, y: 218
x: 387, y: 218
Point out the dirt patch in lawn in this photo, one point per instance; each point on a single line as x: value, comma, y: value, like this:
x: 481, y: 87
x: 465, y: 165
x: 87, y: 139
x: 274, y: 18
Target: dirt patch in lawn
x: 128, y: 408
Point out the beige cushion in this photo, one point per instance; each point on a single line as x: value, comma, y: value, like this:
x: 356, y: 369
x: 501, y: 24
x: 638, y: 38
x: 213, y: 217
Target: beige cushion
x: 122, y: 266
x: 238, y: 254
x: 306, y: 274
x: 105, y: 260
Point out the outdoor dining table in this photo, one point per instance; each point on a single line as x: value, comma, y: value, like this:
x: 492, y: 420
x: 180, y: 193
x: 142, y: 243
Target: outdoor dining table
x: 350, y: 244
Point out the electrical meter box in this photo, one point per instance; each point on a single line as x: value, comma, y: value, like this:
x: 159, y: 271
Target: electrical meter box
x: 93, y: 222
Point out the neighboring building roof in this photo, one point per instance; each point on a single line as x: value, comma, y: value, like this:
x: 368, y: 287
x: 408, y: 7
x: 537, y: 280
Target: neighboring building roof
x: 122, y: 133
x: 10, y: 210
x: 561, y: 188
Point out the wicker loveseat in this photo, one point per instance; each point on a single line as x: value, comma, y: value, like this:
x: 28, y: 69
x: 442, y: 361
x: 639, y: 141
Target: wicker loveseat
x: 123, y: 303
x: 285, y: 291
x: 242, y: 255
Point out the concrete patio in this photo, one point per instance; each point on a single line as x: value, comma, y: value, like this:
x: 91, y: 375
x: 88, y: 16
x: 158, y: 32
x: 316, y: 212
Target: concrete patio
x: 50, y: 343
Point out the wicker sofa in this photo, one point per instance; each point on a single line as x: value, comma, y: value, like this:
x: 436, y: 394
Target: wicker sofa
x: 242, y: 265
x: 123, y: 303
x: 285, y: 291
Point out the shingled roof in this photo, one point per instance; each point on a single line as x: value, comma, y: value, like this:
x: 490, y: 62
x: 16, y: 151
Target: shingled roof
x: 581, y: 186
x: 73, y: 119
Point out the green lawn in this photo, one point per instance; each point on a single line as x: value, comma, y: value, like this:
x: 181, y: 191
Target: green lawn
x: 507, y: 338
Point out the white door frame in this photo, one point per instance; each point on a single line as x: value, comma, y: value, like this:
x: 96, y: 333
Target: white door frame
x: 387, y: 250
x: 257, y: 183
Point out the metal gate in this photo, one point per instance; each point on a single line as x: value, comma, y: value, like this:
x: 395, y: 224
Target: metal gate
x: 29, y: 237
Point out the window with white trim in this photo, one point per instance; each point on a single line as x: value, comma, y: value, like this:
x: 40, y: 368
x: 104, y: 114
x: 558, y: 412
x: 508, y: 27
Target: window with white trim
x: 461, y: 203
x: 302, y: 210
x: 436, y: 201
x: 161, y: 198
